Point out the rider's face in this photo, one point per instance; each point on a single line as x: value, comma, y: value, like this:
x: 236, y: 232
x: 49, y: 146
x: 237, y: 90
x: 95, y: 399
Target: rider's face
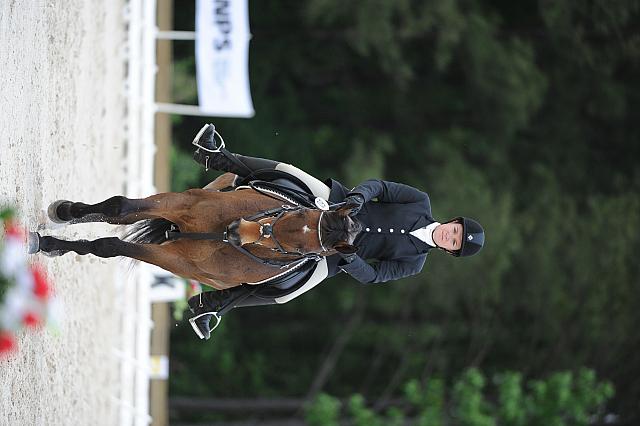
x: 448, y: 236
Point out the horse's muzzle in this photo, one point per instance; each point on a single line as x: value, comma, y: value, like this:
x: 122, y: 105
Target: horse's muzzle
x: 353, y: 228
x: 233, y: 234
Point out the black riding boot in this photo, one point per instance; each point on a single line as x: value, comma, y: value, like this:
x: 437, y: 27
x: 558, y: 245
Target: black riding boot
x: 213, y: 157
x: 204, y: 307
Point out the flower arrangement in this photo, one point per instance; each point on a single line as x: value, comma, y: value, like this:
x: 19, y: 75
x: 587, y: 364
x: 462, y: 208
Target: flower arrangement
x: 25, y: 291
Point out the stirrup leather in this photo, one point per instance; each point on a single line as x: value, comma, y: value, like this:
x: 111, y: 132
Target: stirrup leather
x: 193, y: 319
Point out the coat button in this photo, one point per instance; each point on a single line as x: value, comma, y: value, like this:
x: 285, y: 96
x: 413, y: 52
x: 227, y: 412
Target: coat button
x: 367, y: 229
x: 402, y: 231
x: 379, y: 230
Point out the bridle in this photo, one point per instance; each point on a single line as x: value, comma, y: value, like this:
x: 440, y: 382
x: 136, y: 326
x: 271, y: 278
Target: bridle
x: 324, y: 249
x: 267, y: 232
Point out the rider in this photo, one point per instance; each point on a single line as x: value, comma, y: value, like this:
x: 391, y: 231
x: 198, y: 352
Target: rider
x: 398, y: 229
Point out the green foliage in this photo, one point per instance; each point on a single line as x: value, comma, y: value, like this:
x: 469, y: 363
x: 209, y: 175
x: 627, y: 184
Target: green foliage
x: 361, y: 415
x: 558, y: 400
x: 368, y: 158
x: 561, y: 399
x: 471, y: 407
x: 184, y: 172
x: 6, y: 213
x: 431, y: 399
x: 503, y: 76
x: 510, y: 398
x: 374, y: 28
x: 185, y: 88
x: 324, y: 411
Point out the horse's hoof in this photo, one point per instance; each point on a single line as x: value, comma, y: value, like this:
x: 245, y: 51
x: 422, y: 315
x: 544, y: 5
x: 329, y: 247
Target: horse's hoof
x: 53, y: 213
x: 33, y: 242
x: 33, y: 246
x: 46, y: 224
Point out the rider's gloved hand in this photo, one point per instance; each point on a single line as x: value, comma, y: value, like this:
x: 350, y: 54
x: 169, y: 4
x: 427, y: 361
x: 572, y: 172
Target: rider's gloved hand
x: 347, y: 258
x: 354, y: 202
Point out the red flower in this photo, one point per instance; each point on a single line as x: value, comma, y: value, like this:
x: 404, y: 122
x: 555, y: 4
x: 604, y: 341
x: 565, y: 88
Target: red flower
x: 7, y: 343
x: 13, y: 230
x: 31, y: 320
x: 40, y: 284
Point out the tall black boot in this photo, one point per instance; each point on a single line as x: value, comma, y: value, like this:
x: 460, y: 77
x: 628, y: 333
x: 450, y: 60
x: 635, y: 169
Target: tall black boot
x: 213, y: 155
x: 205, y: 306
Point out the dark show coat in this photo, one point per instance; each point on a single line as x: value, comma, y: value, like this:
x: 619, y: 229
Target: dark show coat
x: 385, y: 239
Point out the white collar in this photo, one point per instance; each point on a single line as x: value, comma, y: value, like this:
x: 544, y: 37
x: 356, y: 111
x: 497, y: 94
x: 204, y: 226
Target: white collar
x: 426, y: 233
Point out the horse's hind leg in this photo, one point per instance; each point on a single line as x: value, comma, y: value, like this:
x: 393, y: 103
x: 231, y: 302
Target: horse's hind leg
x: 163, y: 256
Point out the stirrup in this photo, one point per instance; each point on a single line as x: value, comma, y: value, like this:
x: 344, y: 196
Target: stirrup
x: 196, y: 140
x: 195, y: 327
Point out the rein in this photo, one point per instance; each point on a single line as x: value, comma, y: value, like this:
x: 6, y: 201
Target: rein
x: 300, y: 200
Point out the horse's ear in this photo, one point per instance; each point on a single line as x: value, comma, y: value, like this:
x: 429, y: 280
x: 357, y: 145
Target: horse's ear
x: 345, y: 248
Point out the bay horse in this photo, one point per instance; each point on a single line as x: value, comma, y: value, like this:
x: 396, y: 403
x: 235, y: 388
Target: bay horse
x: 254, y: 247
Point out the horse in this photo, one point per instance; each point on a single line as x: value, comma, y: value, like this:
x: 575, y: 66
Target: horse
x: 258, y: 236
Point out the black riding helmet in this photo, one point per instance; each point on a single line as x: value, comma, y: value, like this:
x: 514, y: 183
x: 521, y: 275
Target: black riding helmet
x: 473, y: 237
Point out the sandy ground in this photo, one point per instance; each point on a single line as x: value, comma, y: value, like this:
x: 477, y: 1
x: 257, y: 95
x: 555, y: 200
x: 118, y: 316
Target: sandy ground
x: 62, y: 113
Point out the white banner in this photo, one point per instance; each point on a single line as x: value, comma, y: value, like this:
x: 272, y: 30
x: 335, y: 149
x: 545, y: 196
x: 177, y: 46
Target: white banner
x: 165, y: 286
x: 222, y: 57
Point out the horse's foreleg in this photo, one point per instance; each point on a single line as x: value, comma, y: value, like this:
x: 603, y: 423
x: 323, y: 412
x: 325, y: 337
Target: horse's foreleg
x: 121, y: 210
x: 102, y: 247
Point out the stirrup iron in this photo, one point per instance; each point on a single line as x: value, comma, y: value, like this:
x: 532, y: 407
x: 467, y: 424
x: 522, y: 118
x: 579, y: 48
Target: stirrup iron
x: 196, y: 140
x: 195, y: 327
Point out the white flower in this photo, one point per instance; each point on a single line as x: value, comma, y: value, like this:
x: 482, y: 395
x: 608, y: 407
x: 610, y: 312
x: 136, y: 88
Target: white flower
x: 13, y: 309
x: 13, y: 257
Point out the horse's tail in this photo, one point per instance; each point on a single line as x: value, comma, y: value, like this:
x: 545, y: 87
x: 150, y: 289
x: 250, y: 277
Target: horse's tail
x: 150, y: 231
